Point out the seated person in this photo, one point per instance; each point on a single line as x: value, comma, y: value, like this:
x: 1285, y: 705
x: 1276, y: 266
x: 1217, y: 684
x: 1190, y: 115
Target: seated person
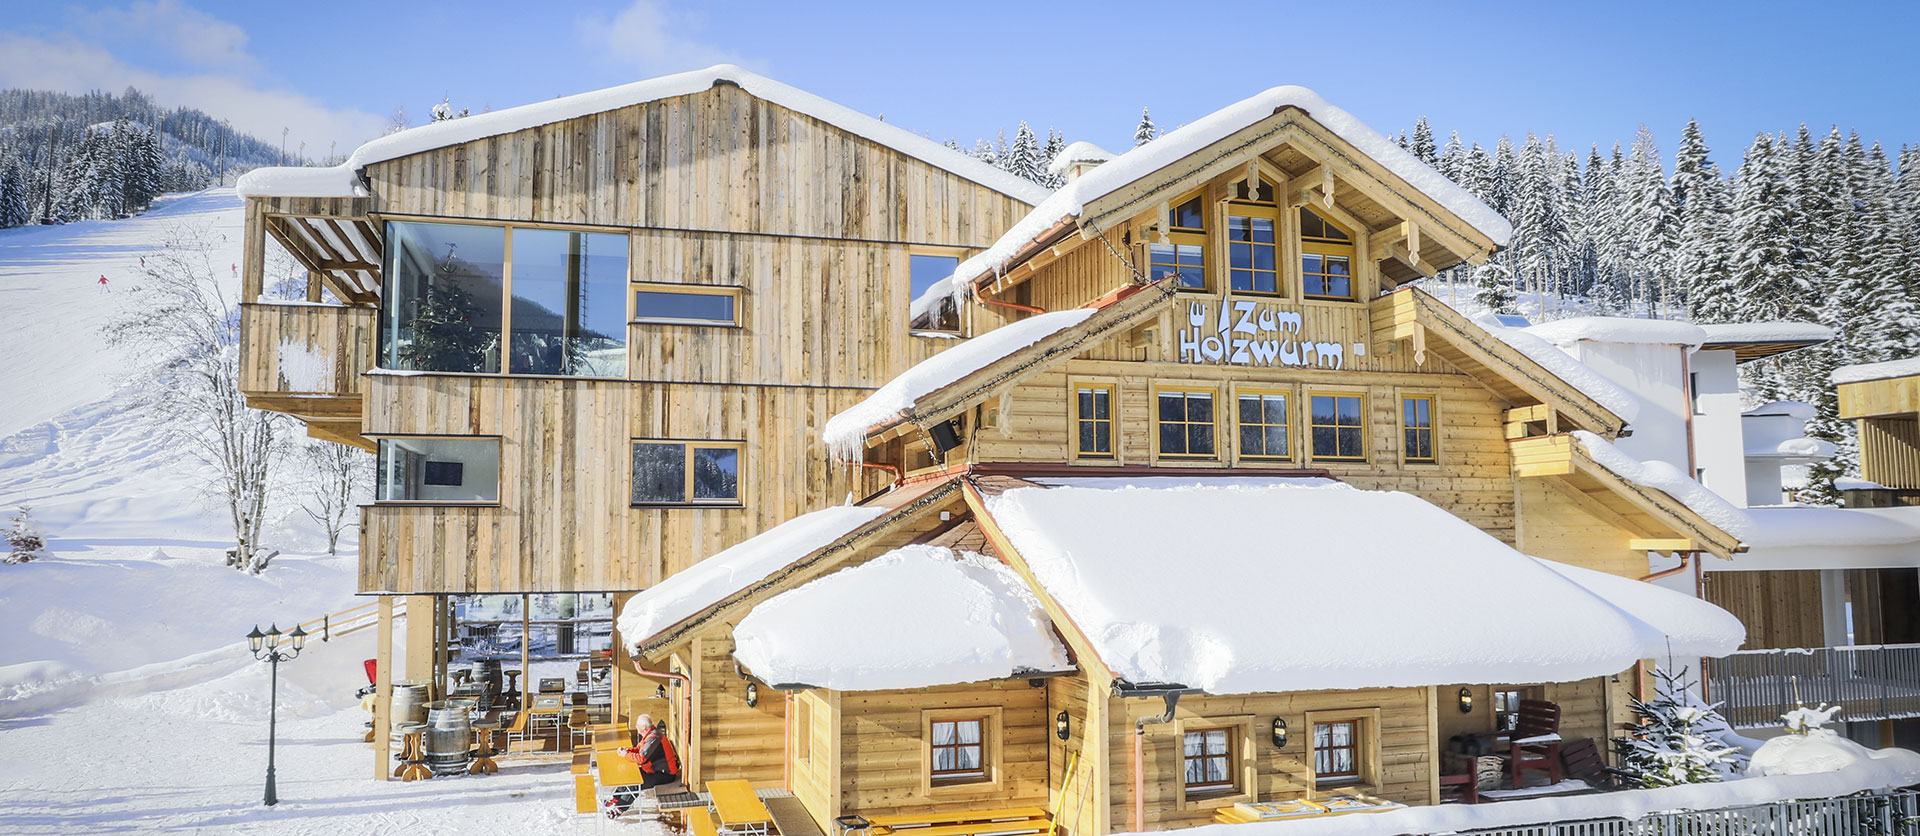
x: 659, y: 764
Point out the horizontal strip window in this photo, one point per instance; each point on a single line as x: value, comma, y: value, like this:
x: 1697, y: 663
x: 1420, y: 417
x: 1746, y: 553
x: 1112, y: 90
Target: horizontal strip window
x: 687, y: 472
x: 683, y: 304
x: 438, y: 471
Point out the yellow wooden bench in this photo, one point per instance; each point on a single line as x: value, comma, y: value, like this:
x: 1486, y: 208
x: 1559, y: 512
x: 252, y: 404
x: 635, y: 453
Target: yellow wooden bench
x: 583, y: 792
x: 699, y: 821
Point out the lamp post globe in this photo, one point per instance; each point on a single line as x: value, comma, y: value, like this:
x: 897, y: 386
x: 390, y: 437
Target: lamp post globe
x: 266, y: 647
x: 255, y: 638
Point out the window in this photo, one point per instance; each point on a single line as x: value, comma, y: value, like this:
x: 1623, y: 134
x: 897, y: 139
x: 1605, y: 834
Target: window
x: 1326, y: 258
x: 687, y: 472
x: 1337, y: 428
x: 1336, y: 752
x: 1506, y: 710
x: 1208, y: 760
x: 1186, y: 423
x: 1184, y: 253
x: 937, y: 314
x: 957, y: 751
x: 686, y: 304
x: 1093, y: 420
x: 437, y: 470
x: 454, y: 300
x: 1252, y: 257
x: 1263, y: 425
x: 1416, y: 428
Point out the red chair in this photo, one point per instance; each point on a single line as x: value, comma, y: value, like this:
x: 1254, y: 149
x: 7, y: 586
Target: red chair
x: 1535, y: 741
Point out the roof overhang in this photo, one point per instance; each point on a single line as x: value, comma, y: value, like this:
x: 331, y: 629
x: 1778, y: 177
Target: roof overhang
x: 337, y: 239
x: 1563, y: 464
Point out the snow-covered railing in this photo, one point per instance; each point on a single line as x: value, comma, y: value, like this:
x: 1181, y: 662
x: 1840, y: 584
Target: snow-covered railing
x: 1869, y: 682
x: 304, y: 349
x: 1891, y: 814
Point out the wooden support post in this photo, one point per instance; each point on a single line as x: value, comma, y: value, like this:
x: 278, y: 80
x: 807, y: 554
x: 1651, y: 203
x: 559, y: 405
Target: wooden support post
x: 313, y: 286
x: 253, y: 253
x: 383, y: 691
x: 420, y: 633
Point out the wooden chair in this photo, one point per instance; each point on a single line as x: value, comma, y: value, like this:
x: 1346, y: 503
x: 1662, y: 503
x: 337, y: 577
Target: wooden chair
x: 1535, y: 742
x: 1583, y: 761
x: 578, y: 728
x: 1464, y: 789
x: 517, y: 730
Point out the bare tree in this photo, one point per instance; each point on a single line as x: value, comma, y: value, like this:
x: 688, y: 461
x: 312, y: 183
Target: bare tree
x: 333, y: 486
x: 184, y: 333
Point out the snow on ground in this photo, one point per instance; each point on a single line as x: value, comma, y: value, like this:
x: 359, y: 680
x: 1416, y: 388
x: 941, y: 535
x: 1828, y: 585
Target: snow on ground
x: 54, y: 305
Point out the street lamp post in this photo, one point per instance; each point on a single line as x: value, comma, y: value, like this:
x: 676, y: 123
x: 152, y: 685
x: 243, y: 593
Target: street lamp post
x: 266, y: 648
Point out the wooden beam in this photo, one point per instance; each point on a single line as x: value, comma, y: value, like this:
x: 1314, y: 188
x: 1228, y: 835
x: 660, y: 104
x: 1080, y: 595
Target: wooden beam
x: 1299, y: 192
x: 343, y: 432
x: 1660, y: 544
x: 1594, y: 507
x: 383, y: 692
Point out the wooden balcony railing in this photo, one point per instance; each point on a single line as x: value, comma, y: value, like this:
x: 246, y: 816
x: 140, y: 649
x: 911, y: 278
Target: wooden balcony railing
x: 296, y: 348
x: 1869, y: 682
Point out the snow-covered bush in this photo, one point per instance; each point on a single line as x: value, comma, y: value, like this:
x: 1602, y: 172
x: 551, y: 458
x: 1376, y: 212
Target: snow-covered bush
x: 1668, y: 745
x: 1804, y: 720
x: 25, y: 537
x: 1811, y: 748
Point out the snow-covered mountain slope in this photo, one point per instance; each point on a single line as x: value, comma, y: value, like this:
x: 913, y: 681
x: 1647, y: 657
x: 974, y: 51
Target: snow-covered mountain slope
x: 52, y: 303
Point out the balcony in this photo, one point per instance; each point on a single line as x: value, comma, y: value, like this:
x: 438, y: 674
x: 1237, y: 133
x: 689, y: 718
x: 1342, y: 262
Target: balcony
x: 306, y: 360
x: 1871, y: 682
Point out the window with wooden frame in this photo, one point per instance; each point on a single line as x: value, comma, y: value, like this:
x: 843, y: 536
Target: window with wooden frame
x: 1262, y: 423
x: 686, y: 304
x: 1326, y: 258
x: 1336, y: 752
x: 1253, y: 253
x: 1181, y: 251
x: 1207, y: 760
x: 958, y: 750
x: 961, y: 750
x: 1416, y: 429
x: 1506, y: 709
x: 1093, y: 409
x: 1336, y: 426
x: 1184, y: 423
x: 687, y: 472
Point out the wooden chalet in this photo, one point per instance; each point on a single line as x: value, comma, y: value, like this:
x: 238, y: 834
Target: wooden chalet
x: 1270, y: 506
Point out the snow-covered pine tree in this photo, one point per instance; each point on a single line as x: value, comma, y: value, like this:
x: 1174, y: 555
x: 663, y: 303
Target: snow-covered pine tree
x: 1542, y: 239
x: 984, y: 152
x: 25, y: 539
x: 1767, y: 284
x: 1145, y: 131
x: 1493, y: 286
x: 1502, y: 176
x: 1023, y: 159
x: 1056, y: 143
x: 1422, y: 143
x: 1700, y: 204
x: 14, y: 187
x: 1664, y: 746
x: 1649, y: 220
x: 1612, y: 253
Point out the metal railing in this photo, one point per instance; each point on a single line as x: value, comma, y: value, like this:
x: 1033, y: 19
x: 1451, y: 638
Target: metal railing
x: 1893, y: 814
x: 1755, y: 687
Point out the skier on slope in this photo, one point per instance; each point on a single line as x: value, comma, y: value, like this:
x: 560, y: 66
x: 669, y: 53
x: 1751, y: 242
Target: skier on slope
x: 103, y: 282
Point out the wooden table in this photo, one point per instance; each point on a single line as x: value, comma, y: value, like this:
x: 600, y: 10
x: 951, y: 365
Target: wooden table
x: 739, y: 807
x: 616, y: 770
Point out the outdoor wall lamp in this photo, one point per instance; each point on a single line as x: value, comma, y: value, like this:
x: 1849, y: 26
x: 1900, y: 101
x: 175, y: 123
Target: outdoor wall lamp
x: 1279, y: 733
x: 1466, y: 700
x: 753, y: 695
x: 1060, y: 726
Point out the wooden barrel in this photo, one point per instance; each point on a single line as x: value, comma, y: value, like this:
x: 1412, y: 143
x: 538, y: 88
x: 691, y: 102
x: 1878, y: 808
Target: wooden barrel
x: 449, y: 744
x: 486, y: 673
x: 409, y: 702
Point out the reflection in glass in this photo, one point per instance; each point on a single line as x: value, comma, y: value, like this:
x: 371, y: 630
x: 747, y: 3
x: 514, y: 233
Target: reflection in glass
x: 687, y: 307
x: 440, y: 307
x: 438, y: 470
x: 659, y: 472
x: 569, y: 303
x: 716, y: 473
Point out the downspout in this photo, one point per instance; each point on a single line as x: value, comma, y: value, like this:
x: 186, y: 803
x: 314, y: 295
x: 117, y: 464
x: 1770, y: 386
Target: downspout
x: 898, y: 475
x: 1140, y: 759
x: 990, y: 301
x: 686, y: 694
x: 1686, y: 561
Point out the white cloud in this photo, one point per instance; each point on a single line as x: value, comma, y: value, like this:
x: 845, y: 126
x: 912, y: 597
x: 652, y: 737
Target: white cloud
x: 191, y: 34
x: 77, y: 67
x: 653, y: 39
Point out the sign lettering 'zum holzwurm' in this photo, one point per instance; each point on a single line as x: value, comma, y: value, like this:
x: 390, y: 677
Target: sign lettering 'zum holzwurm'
x: 1251, y: 334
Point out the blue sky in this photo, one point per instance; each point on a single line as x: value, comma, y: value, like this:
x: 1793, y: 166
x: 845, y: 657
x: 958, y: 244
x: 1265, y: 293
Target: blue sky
x: 332, y: 71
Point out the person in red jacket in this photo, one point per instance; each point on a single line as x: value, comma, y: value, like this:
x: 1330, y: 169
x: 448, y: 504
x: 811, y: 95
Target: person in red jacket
x: 659, y: 763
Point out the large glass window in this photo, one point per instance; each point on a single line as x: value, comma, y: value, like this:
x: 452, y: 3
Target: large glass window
x: 686, y: 472
x: 569, y: 312
x: 1183, y: 254
x: 1338, y: 428
x: 445, y: 305
x: 1326, y: 258
x: 1186, y: 424
x: 438, y: 470
x: 441, y: 307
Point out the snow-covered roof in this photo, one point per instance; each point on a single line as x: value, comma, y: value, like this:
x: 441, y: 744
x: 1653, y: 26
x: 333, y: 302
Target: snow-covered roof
x: 1293, y: 588
x: 1812, y: 525
x: 1811, y: 449
x: 481, y: 125
x: 846, y: 433
x: 1790, y: 409
x: 1877, y: 371
x: 1078, y: 152
x: 1668, y: 479
x: 916, y: 617
x: 1070, y: 200
x: 1564, y: 366
x: 1729, y: 333
x: 706, y: 583
x: 297, y: 181
x: 1851, y: 483
x: 1694, y: 628
x: 1616, y: 329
